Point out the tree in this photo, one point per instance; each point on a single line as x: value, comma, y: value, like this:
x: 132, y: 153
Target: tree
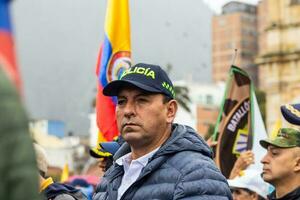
x: 181, y: 92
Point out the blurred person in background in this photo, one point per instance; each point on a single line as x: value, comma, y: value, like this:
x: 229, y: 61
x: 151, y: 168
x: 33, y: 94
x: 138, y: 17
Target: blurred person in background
x: 105, y: 152
x: 104, y: 159
x: 281, y: 164
x: 160, y: 159
x: 19, y: 179
x: 49, y: 189
x: 248, y: 185
x: 84, y: 186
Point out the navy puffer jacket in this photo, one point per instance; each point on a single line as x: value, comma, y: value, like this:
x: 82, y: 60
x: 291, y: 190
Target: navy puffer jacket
x: 181, y: 169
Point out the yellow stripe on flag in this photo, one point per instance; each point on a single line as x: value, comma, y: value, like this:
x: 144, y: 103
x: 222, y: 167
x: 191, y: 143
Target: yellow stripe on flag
x: 117, y: 25
x: 65, y: 173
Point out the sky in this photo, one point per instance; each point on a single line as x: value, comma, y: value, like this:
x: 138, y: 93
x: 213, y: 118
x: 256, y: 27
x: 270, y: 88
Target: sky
x: 216, y: 5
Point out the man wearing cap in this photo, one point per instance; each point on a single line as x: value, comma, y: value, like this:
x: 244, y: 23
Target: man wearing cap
x: 104, y: 153
x: 281, y: 164
x: 160, y: 159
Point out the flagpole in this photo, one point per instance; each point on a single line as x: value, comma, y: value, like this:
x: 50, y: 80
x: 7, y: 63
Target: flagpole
x: 234, y: 56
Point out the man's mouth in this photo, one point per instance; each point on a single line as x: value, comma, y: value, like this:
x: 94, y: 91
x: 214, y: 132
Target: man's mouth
x: 129, y: 124
x: 265, y: 170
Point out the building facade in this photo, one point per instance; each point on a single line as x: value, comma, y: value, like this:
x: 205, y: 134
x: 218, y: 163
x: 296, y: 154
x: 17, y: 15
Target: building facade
x: 235, y: 28
x: 279, y: 54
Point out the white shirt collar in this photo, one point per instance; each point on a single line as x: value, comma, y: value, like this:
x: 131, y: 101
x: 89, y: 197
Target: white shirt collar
x: 126, y: 159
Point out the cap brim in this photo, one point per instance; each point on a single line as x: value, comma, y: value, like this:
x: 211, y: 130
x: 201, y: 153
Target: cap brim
x: 266, y: 143
x: 113, y: 88
x: 111, y: 147
x: 233, y: 183
x: 96, y: 153
x: 289, y: 116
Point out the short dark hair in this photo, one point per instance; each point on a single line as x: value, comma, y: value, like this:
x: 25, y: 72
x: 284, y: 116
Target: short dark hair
x: 166, y: 99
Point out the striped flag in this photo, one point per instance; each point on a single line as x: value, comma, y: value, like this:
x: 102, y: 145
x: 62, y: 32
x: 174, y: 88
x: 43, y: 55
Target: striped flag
x: 7, y: 51
x: 239, y: 127
x: 114, y: 58
x: 65, y: 173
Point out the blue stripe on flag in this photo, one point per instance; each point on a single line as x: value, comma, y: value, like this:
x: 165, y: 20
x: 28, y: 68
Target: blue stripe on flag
x: 4, y: 16
x: 106, y: 55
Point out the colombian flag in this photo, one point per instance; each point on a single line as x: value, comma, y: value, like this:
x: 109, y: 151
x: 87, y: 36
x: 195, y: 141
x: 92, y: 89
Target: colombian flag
x: 114, y: 58
x: 7, y: 53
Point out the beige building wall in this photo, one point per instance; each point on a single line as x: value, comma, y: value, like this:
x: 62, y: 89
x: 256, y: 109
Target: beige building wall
x: 279, y: 54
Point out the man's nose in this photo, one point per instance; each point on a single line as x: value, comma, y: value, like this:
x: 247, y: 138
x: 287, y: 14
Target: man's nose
x: 129, y: 109
x: 264, y: 159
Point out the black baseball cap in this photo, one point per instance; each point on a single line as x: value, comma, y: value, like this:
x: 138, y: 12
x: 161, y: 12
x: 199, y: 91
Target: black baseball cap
x: 150, y: 78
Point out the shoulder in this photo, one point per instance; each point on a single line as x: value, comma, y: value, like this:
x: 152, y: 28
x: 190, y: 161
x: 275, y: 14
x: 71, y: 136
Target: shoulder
x: 193, y: 162
x: 199, y: 177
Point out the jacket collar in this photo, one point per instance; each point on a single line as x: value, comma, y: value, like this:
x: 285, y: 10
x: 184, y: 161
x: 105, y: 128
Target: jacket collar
x: 293, y: 195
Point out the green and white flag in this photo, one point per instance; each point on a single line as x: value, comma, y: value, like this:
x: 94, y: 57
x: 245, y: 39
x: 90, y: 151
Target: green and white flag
x: 237, y: 122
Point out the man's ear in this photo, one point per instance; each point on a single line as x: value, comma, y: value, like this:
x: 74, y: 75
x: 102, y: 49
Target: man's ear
x: 297, y: 159
x: 171, y: 110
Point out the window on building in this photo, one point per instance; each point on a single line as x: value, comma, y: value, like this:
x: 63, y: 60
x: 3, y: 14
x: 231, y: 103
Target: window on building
x: 200, y: 98
x: 209, y: 99
x: 295, y: 2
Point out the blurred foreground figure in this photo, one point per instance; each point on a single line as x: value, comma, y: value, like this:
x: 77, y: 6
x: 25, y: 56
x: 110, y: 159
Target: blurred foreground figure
x: 159, y: 160
x: 19, y: 179
x: 282, y: 164
x: 49, y: 189
x: 248, y: 185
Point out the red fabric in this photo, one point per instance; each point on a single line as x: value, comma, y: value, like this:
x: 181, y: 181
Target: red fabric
x: 106, y: 117
x: 7, y: 58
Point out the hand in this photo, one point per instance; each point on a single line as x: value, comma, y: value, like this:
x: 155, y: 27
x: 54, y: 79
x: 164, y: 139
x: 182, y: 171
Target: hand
x: 244, y: 160
x: 211, y: 143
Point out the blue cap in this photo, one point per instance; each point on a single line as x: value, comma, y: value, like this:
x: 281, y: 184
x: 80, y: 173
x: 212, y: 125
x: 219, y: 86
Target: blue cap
x: 291, y: 112
x: 150, y: 78
x: 111, y: 147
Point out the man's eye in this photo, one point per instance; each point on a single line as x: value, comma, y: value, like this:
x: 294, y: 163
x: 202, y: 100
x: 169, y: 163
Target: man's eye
x: 142, y: 100
x: 121, y: 101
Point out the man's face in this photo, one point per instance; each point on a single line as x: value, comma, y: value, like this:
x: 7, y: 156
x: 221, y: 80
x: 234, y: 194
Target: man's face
x: 278, y: 164
x: 142, y: 118
x: 241, y: 194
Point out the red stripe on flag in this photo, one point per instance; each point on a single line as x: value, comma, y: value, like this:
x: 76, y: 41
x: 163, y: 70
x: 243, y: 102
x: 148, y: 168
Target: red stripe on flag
x: 106, y: 115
